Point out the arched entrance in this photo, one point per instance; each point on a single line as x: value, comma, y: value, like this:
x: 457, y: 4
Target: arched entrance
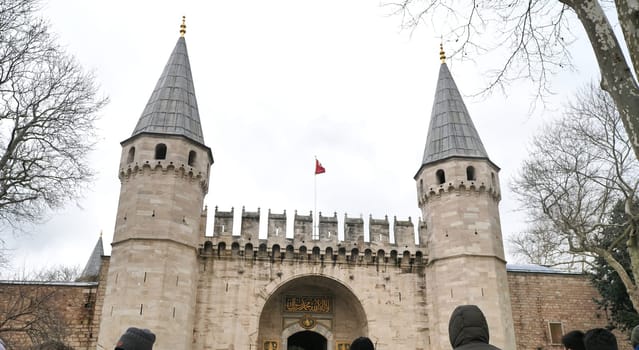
x: 306, y: 340
x: 311, y: 312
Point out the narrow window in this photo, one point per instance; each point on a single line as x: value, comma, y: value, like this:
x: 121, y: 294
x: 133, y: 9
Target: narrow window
x: 556, y: 330
x: 160, y: 151
x: 421, y: 186
x: 470, y: 173
x: 441, y: 176
x: 492, y: 179
x: 192, y: 155
x: 129, y: 159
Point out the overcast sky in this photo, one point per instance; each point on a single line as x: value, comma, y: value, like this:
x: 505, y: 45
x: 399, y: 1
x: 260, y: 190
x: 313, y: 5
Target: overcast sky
x: 277, y: 83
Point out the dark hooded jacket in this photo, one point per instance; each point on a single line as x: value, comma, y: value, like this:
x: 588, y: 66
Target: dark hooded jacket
x: 468, y: 329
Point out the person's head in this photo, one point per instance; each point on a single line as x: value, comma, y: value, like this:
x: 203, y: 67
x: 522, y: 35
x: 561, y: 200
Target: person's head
x: 362, y: 343
x: 136, y: 339
x: 467, y: 325
x: 634, y: 336
x: 573, y: 340
x: 600, y: 339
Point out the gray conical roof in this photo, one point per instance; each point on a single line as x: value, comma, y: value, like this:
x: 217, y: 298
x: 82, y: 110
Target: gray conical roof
x: 451, y: 131
x: 92, y: 267
x: 172, y: 108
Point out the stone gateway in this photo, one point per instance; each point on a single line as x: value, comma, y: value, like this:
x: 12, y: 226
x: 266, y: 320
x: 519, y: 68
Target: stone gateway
x: 204, y: 289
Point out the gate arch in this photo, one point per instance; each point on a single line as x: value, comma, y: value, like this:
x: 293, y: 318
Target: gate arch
x: 300, y: 304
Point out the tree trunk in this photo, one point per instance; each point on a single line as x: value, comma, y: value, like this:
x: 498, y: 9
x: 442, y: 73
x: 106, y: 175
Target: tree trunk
x: 631, y: 287
x: 616, y: 75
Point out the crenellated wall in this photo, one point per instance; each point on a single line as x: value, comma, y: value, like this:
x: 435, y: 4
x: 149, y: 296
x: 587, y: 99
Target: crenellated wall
x: 384, y: 242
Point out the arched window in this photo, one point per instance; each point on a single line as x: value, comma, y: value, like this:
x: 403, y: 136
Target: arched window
x: 470, y: 173
x: 421, y: 186
x: 441, y: 176
x: 275, y: 250
x: 220, y: 248
x: 354, y: 254
x: 235, y: 249
x: 248, y: 250
x: 328, y: 253
x: 192, y: 155
x: 160, y: 151
x: 492, y: 179
x: 131, y: 156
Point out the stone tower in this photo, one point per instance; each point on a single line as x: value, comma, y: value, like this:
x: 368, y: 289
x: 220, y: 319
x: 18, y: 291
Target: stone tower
x: 164, y: 172
x: 458, y: 194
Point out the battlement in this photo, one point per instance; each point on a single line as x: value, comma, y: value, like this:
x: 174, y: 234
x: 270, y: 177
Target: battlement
x: 321, y: 243
x: 458, y: 186
x: 165, y: 167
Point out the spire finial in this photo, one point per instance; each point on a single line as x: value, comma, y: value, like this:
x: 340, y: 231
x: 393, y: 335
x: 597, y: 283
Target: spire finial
x: 442, y: 54
x: 183, y: 26
x: 100, y: 233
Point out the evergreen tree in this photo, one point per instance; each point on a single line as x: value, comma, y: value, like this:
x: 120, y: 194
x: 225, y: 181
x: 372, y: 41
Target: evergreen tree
x: 614, y: 297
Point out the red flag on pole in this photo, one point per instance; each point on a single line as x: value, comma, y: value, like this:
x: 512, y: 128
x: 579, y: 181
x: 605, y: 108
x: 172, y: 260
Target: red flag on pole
x: 319, y: 169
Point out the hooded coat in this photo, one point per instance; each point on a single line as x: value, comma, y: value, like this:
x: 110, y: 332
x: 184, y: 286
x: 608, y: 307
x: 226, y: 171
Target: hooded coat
x: 468, y: 329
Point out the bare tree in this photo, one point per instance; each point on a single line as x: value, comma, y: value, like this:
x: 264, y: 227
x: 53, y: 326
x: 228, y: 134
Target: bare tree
x: 537, y: 35
x: 579, y: 169
x: 32, y: 307
x: 541, y: 245
x: 48, y: 107
x: 57, y: 273
x: 28, y: 314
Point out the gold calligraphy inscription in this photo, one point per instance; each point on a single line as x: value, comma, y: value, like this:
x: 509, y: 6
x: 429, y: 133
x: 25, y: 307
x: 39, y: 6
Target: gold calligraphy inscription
x: 315, y: 304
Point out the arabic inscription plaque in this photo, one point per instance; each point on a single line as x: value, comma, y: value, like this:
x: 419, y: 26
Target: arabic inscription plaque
x: 313, y: 304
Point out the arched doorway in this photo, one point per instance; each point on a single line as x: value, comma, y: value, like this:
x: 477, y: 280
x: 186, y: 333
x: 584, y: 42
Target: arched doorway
x: 311, y: 312
x: 306, y: 340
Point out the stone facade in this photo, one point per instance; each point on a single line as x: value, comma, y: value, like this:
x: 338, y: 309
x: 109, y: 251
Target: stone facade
x: 214, y: 290
x: 239, y: 303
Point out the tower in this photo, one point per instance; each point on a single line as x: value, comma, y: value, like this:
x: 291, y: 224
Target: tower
x: 164, y: 172
x: 458, y: 194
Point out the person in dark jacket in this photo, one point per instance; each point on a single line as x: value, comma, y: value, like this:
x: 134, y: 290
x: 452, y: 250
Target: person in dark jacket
x: 136, y: 339
x: 600, y: 339
x: 574, y: 340
x: 634, y: 338
x: 468, y: 329
x: 362, y: 343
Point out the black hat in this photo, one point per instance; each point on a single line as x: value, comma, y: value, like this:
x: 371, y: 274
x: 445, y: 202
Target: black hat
x: 136, y: 339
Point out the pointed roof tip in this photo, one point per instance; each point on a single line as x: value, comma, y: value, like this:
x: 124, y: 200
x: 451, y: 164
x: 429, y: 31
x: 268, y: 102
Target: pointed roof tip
x: 451, y: 132
x: 183, y: 27
x: 172, y: 108
x: 92, y: 268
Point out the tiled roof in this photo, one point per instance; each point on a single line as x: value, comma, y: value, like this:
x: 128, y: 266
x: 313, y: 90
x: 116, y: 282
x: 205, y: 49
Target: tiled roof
x: 451, y: 131
x: 92, y: 267
x: 172, y: 108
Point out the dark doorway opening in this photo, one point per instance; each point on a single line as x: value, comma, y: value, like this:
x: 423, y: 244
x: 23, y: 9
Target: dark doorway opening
x: 306, y: 340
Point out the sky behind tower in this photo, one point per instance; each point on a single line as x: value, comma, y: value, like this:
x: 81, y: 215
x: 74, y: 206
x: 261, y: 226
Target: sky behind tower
x: 279, y: 83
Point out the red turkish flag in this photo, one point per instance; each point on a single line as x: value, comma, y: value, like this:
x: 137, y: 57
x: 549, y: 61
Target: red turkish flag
x: 319, y: 169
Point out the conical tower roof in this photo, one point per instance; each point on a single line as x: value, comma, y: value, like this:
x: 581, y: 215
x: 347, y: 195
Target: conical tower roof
x: 92, y: 268
x: 451, y: 132
x: 172, y: 108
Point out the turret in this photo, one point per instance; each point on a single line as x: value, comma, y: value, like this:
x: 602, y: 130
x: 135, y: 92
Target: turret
x: 164, y: 173
x: 458, y: 193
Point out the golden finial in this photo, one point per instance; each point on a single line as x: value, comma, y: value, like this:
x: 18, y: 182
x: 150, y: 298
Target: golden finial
x: 183, y: 26
x: 442, y: 54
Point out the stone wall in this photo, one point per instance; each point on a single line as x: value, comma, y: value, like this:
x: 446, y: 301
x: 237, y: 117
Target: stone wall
x: 64, y: 310
x: 540, y: 298
x: 239, y: 303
